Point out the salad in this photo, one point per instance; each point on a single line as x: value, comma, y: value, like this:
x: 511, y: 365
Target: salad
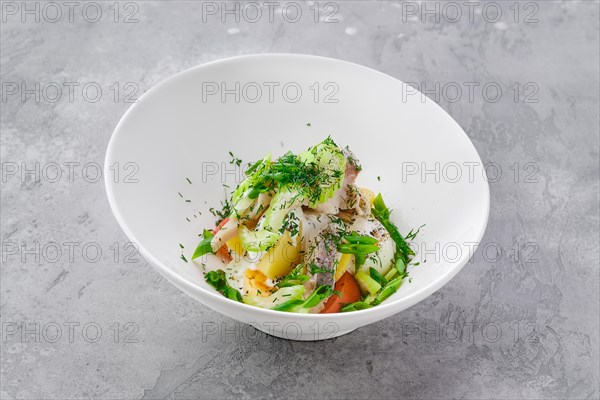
x: 298, y: 235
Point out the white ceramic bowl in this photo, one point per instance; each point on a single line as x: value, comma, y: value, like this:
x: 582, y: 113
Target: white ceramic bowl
x: 185, y: 126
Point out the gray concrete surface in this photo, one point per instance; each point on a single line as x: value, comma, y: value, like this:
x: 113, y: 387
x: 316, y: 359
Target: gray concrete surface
x: 74, y: 327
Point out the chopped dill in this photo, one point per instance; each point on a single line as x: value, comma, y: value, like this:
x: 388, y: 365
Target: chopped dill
x: 235, y: 160
x: 315, y: 269
x: 352, y: 159
x: 411, y: 235
x: 223, y: 213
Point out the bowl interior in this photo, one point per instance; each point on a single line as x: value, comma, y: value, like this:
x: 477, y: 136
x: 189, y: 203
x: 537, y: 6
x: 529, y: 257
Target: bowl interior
x: 185, y: 127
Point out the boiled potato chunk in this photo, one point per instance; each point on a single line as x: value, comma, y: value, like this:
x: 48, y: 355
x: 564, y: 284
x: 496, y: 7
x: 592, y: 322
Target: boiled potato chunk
x: 345, y: 262
x: 368, y: 194
x: 235, y: 244
x: 281, y: 258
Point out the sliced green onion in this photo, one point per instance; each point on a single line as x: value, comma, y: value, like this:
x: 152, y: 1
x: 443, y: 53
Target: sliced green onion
x: 382, y: 213
x: 377, y: 276
x: 391, y: 274
x: 359, y: 260
x: 369, y: 298
x: 388, y: 290
x: 359, y: 305
x: 288, y: 305
x: 320, y: 293
x: 250, y: 170
x: 293, y: 280
x: 366, y: 282
x: 400, y: 266
x: 358, y: 248
x: 355, y: 238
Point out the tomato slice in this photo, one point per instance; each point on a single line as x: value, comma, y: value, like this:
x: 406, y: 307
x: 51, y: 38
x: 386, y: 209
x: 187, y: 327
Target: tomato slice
x: 223, y: 252
x: 350, y: 293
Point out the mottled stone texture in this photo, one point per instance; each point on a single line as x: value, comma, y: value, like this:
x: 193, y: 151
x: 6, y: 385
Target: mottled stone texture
x: 520, y: 324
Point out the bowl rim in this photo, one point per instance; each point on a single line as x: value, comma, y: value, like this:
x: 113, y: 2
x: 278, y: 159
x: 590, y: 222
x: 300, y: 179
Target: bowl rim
x: 181, y: 282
